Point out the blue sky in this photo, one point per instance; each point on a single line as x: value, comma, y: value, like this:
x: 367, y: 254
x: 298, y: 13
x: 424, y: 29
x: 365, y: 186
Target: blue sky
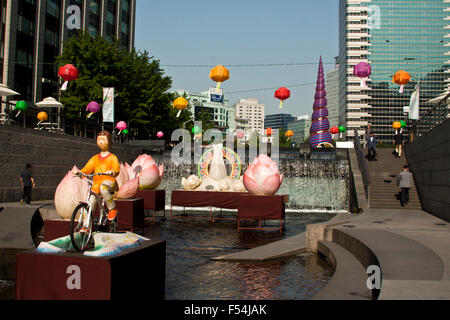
x: 245, y: 32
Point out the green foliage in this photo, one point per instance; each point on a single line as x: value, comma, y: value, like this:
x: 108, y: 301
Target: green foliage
x: 140, y: 86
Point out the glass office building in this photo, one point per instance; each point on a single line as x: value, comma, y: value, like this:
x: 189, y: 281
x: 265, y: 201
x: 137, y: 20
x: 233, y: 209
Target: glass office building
x: 409, y: 35
x: 33, y: 32
x: 278, y: 121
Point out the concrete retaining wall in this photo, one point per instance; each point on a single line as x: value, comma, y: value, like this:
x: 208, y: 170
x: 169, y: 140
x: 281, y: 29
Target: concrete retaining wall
x: 52, y: 156
x: 429, y: 159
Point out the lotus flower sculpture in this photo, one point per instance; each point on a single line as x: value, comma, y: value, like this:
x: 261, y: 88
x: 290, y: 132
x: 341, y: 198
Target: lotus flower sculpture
x: 262, y: 176
x: 70, y: 191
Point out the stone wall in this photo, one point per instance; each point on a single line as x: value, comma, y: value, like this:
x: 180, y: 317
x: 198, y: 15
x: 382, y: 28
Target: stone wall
x: 51, y: 155
x: 429, y: 160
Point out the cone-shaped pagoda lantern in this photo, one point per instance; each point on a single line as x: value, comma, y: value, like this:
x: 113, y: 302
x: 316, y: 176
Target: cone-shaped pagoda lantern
x: 320, y: 125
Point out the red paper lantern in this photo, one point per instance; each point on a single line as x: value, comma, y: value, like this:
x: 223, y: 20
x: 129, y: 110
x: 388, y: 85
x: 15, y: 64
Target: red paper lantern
x: 269, y: 132
x: 334, y: 130
x: 282, y: 94
x: 68, y: 73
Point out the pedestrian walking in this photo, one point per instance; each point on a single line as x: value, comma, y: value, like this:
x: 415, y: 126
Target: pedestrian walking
x: 398, y: 142
x: 371, y: 147
x: 404, y: 181
x: 27, y: 181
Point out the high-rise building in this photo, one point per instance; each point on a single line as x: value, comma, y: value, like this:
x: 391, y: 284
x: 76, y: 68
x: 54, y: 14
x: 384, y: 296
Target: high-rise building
x: 278, y: 121
x: 332, y: 88
x: 33, y: 32
x: 390, y: 35
x: 301, y: 128
x: 253, y: 111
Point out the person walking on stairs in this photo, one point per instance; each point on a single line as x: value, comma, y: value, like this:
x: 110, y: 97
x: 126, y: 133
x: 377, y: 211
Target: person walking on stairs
x: 404, y: 181
x: 398, y: 142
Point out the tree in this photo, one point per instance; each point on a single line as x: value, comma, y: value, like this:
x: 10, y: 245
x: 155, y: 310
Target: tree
x: 142, y: 98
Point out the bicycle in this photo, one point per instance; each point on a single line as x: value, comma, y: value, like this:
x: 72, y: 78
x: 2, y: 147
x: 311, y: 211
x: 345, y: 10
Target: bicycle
x: 81, y: 222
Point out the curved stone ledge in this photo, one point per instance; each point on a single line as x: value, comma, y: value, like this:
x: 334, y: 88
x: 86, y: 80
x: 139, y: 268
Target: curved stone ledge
x: 349, y: 279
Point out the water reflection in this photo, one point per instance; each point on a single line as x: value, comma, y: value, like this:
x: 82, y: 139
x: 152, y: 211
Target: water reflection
x: 192, y: 275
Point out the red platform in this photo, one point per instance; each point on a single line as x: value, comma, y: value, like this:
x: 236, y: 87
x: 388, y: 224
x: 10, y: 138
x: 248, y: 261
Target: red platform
x: 73, y: 276
x: 154, y: 200
x: 261, y: 208
x: 130, y: 218
x: 216, y: 199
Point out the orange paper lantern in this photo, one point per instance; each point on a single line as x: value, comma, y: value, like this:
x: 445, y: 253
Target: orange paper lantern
x: 401, y: 77
x: 269, y: 132
x: 42, y: 116
x: 219, y: 74
x: 180, y: 104
x: 396, y: 125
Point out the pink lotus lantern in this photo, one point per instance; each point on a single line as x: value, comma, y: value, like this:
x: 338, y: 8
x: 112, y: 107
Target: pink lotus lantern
x: 262, y: 176
x: 160, y: 134
x: 92, y: 107
x: 362, y: 70
x: 70, y: 191
x: 121, y: 125
x: 150, y: 176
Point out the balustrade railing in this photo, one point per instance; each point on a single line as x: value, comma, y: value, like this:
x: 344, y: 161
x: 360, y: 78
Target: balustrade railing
x: 362, y: 163
x: 434, y: 117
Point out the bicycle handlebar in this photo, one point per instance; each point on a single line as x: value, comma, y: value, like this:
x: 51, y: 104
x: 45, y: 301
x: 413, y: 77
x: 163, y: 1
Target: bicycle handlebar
x: 90, y: 176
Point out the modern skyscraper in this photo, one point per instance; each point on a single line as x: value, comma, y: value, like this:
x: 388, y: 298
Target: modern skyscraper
x: 390, y: 35
x: 33, y: 32
x: 332, y: 85
x: 278, y: 121
x: 253, y: 111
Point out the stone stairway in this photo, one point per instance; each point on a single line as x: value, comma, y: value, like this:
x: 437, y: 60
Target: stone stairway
x: 383, y: 182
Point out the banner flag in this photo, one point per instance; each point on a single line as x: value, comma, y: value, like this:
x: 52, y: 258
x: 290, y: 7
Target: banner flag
x: 108, y: 105
x: 414, y: 104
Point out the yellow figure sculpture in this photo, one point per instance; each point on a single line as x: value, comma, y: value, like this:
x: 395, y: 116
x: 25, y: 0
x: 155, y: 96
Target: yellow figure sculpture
x: 104, y: 162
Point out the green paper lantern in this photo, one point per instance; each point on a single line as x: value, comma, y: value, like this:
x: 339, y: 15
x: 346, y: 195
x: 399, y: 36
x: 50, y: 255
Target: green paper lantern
x: 21, y: 106
x: 196, y: 130
x: 403, y: 123
x: 342, y: 129
x: 125, y: 131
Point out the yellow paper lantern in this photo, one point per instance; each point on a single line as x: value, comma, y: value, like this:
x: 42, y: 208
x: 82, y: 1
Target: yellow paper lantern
x: 219, y: 74
x: 396, y: 125
x: 180, y: 104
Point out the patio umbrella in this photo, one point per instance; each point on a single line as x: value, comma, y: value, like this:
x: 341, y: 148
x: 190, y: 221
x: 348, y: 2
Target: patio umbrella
x: 51, y: 103
x: 5, y: 92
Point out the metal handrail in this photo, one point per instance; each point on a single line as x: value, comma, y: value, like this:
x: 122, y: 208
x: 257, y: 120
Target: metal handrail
x: 430, y: 120
x: 362, y: 163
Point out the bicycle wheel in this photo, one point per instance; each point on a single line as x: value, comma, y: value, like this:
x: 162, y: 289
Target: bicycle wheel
x: 80, y: 234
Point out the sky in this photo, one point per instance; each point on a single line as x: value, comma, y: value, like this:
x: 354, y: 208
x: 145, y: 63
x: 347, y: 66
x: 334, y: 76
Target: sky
x: 287, y: 37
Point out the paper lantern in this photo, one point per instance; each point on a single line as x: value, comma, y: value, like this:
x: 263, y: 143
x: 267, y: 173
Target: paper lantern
x: 402, y: 78
x: 289, y: 134
x: 20, y: 106
x: 160, y: 134
x: 334, y: 130
x: 92, y: 108
x: 396, y: 125
x: 240, y: 134
x: 180, y: 103
x: 68, y: 73
x: 219, y: 74
x: 269, y: 132
x: 362, y: 70
x: 42, y: 116
x: 282, y: 94
x: 125, y: 131
x: 121, y: 125
x: 403, y: 123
